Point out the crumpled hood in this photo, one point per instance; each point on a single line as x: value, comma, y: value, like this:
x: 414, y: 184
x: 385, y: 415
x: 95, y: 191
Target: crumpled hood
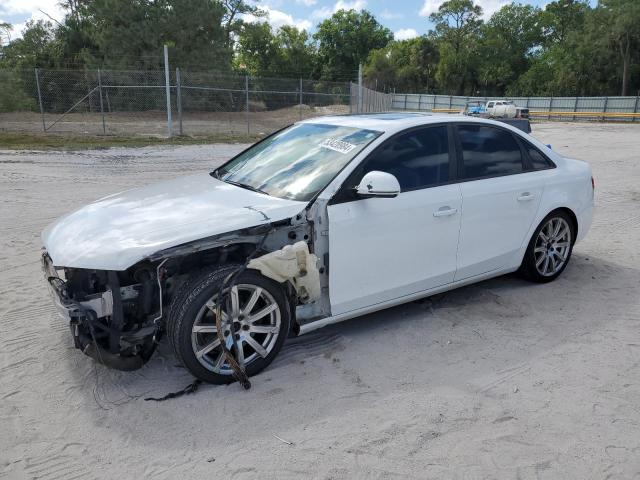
x: 118, y: 231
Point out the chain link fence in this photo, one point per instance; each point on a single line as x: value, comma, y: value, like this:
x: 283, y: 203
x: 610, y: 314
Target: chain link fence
x: 129, y: 103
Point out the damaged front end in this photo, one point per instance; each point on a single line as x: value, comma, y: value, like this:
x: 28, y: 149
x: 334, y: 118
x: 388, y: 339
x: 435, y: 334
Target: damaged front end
x: 114, y: 317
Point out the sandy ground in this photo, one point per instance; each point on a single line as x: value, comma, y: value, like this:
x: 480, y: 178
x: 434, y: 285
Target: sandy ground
x: 503, y: 379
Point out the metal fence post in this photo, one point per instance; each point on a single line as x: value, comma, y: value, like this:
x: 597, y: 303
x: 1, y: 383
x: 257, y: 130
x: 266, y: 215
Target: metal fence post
x: 168, y: 90
x: 89, y: 90
x: 360, y: 88
x: 246, y: 93
x: 550, y: 108
x: 104, y: 127
x: 575, y: 108
x: 106, y: 94
x: 350, y: 97
x: 179, y: 99
x: 604, y: 107
x: 635, y: 108
x: 300, y: 98
x: 44, y: 128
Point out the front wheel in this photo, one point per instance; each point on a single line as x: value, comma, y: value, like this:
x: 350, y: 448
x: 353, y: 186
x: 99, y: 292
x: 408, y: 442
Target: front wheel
x: 257, y: 315
x: 550, y: 248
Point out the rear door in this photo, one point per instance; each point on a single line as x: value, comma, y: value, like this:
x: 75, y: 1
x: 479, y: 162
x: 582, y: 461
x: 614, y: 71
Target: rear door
x: 500, y: 198
x: 381, y: 249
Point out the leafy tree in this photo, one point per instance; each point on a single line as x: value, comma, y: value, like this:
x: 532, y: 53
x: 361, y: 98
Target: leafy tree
x: 296, y: 52
x: 406, y: 65
x: 35, y: 48
x: 561, y: 17
x: 620, y: 20
x: 13, y: 96
x: 131, y: 33
x: 256, y: 48
x: 18, y: 59
x: 287, y: 52
x: 345, y: 40
x: 509, y: 39
x: 232, y: 22
x: 593, y: 57
x: 457, y: 31
x: 5, y: 33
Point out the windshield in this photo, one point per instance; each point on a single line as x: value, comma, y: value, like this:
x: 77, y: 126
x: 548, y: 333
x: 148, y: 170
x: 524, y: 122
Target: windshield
x: 297, y: 162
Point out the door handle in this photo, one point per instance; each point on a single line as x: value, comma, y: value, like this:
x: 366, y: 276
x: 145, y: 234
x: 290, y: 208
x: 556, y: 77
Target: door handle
x: 526, y: 197
x: 445, y: 212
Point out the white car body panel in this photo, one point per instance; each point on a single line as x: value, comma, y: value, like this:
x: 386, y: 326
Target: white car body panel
x: 118, y: 231
x: 309, y: 327
x: 497, y: 214
x: 378, y: 246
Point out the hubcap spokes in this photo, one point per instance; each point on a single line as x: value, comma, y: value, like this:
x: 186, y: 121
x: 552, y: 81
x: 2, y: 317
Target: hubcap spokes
x: 251, y: 315
x: 552, y: 246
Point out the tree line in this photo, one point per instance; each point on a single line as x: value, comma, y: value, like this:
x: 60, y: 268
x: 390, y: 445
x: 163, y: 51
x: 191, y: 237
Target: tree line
x: 567, y: 48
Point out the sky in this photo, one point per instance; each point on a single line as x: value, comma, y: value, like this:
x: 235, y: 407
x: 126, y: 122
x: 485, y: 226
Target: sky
x: 405, y: 18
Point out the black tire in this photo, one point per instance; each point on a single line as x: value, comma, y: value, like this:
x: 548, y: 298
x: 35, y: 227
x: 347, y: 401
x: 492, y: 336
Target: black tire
x: 189, y: 303
x: 529, y: 269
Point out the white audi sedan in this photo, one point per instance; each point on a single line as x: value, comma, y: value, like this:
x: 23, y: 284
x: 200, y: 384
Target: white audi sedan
x: 325, y: 220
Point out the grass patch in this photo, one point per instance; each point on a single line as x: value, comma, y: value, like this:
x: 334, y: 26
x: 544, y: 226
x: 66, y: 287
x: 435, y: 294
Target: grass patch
x: 26, y: 141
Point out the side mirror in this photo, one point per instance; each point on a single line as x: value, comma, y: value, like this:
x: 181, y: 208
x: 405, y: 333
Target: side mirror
x: 378, y: 184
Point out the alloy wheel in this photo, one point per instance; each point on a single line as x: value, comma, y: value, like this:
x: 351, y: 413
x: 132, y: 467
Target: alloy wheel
x: 251, y: 315
x: 552, y: 246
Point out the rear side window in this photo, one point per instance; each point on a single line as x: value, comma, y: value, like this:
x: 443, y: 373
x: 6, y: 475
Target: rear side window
x: 488, y: 152
x: 418, y: 158
x: 538, y: 160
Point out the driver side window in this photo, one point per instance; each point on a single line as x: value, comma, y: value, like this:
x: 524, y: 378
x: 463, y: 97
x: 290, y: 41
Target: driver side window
x: 418, y: 158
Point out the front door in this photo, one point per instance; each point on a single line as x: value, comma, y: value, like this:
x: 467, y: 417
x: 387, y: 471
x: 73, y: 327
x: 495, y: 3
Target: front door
x: 381, y: 249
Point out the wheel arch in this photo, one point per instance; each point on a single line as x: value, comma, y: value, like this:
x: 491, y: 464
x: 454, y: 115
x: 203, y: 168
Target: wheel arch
x: 525, y: 269
x: 518, y: 258
x: 572, y: 216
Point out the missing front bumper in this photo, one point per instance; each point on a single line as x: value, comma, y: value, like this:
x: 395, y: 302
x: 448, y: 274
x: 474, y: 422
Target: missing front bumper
x: 90, y: 324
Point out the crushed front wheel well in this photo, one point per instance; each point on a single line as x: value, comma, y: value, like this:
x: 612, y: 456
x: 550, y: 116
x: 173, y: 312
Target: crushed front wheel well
x: 191, y: 262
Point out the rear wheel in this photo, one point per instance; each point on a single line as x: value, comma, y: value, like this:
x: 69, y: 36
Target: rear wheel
x: 550, y: 248
x: 256, y: 314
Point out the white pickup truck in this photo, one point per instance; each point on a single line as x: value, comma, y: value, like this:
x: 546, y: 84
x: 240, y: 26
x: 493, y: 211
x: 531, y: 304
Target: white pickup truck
x: 495, y: 109
x: 501, y: 109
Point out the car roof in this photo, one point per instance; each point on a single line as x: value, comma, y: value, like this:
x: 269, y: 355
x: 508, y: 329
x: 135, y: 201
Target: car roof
x: 392, y: 122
